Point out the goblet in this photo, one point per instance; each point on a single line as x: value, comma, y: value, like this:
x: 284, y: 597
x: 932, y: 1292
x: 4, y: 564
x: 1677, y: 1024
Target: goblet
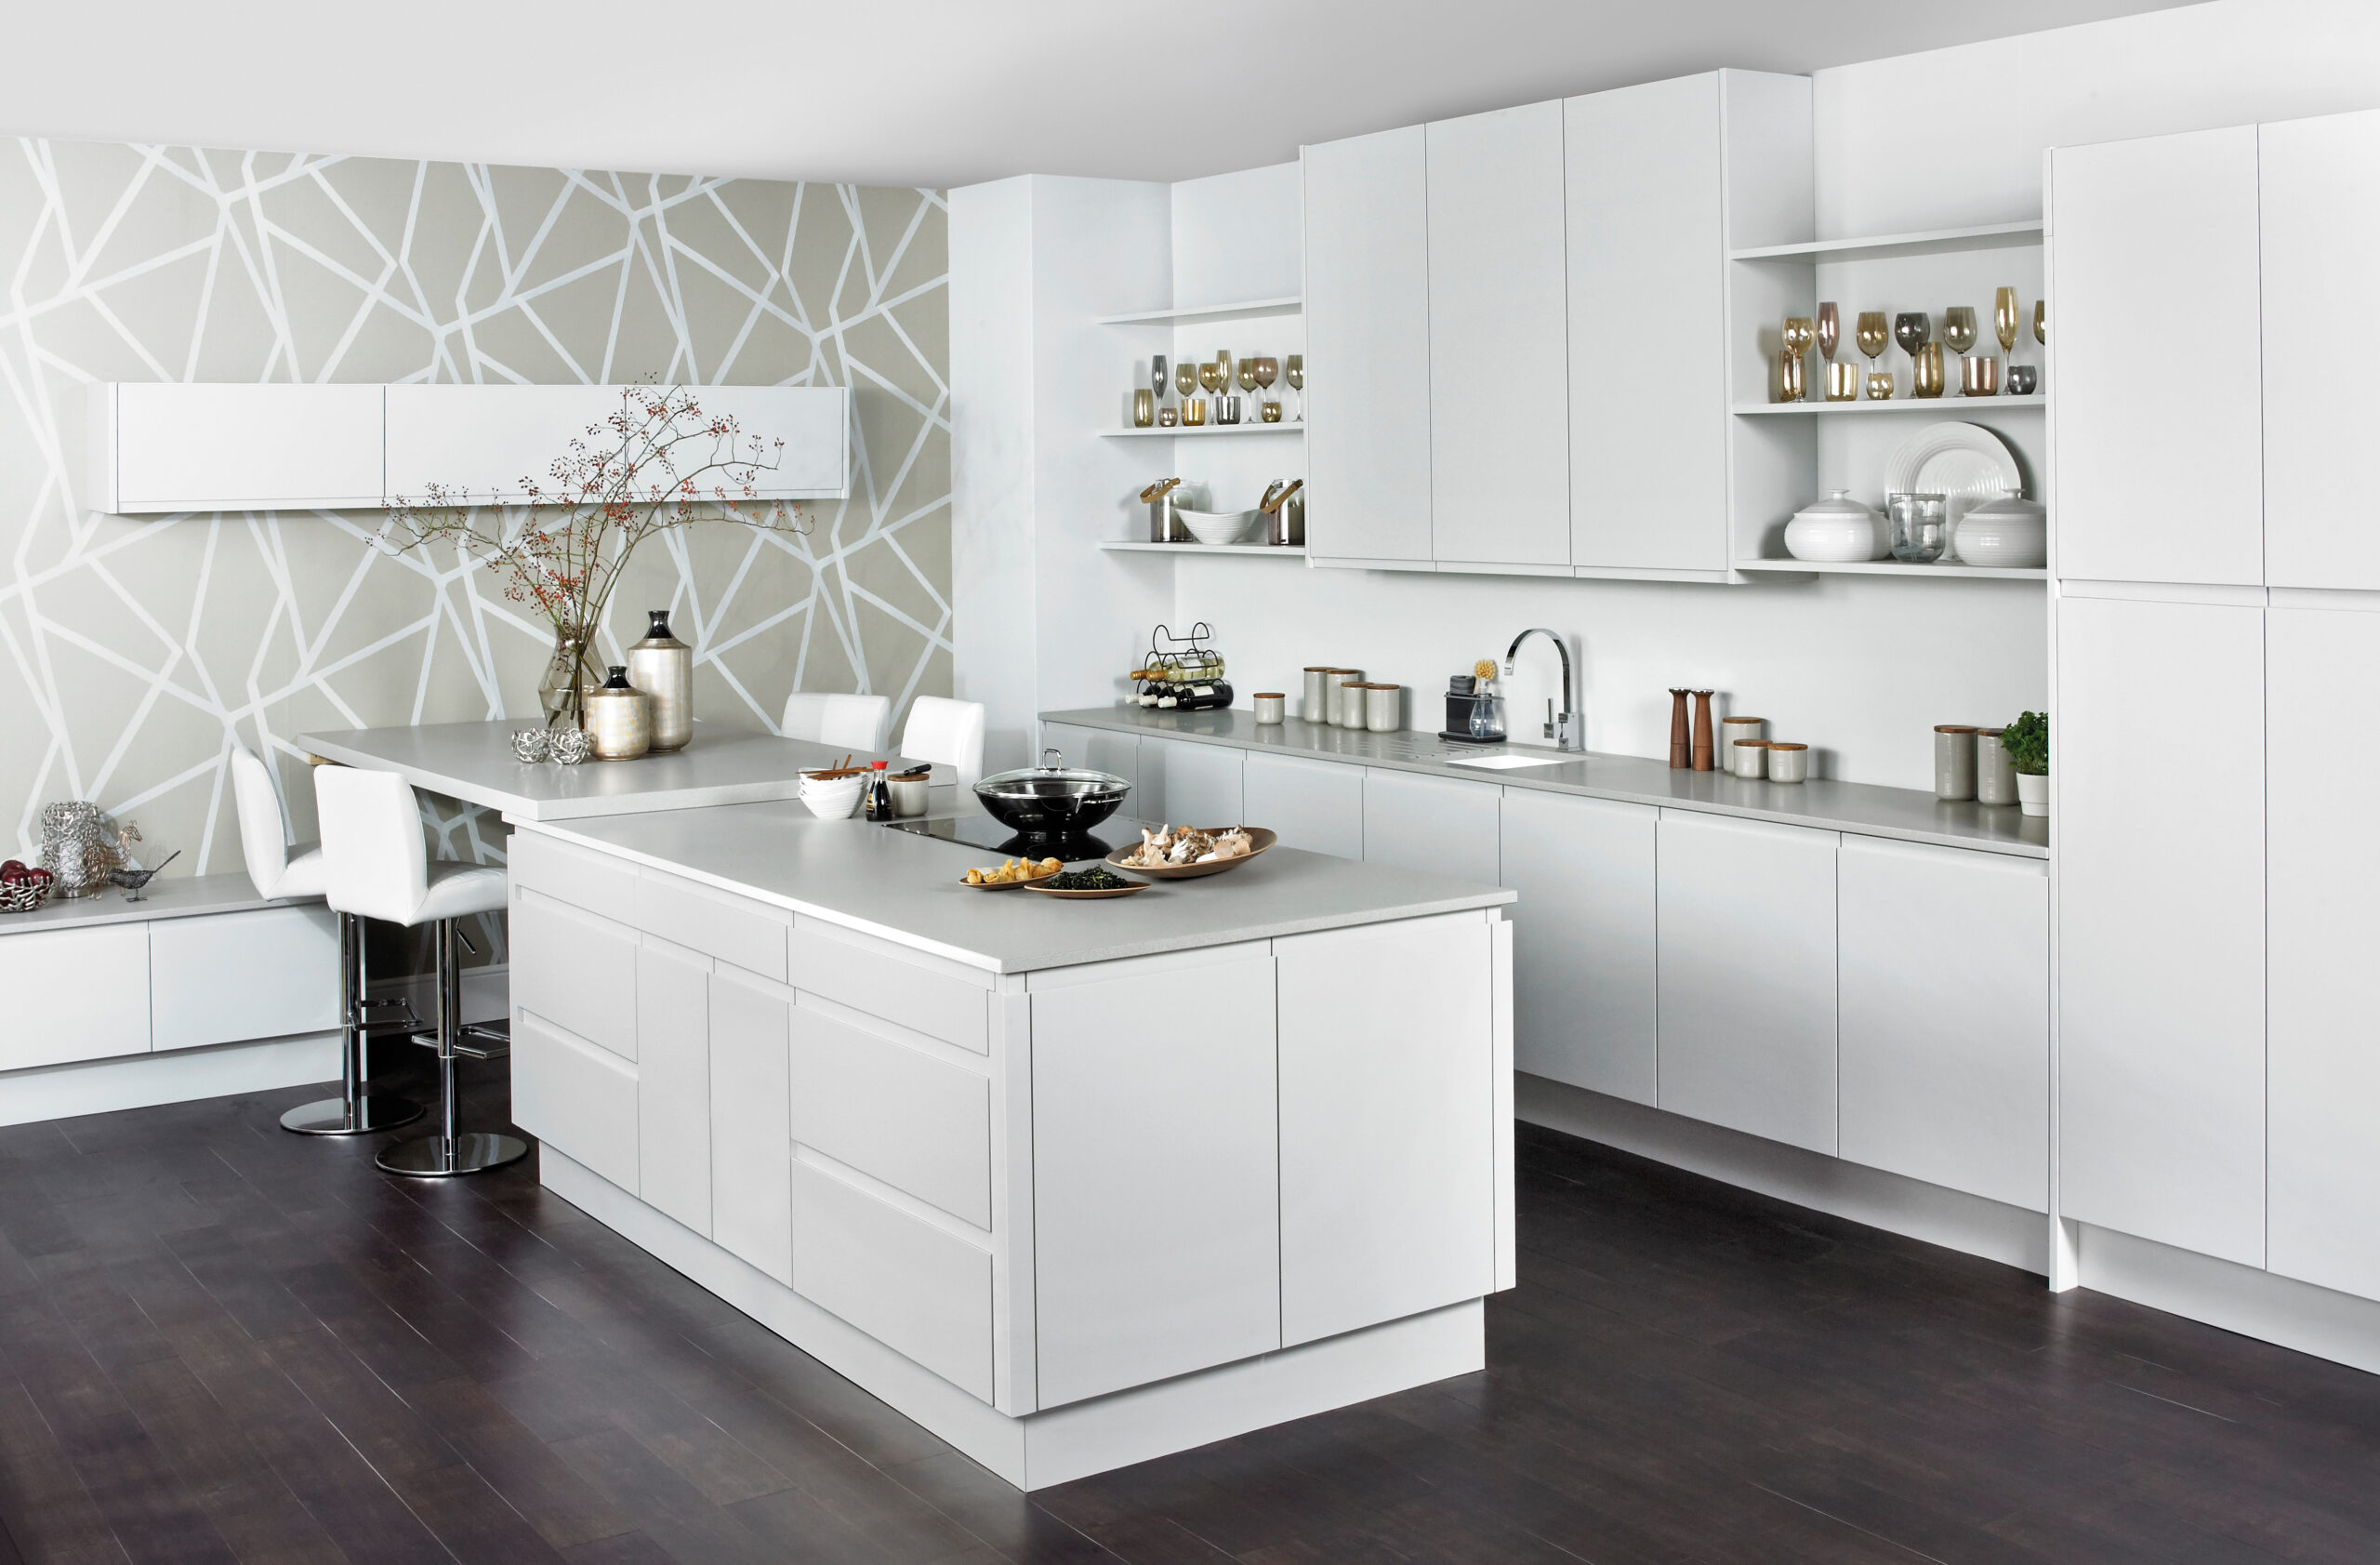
x: 1158, y: 379
x: 1829, y: 330
x: 1215, y: 376
x: 2006, y: 323
x: 2041, y: 321
x: 1958, y: 328
x: 1800, y: 331
x: 1266, y: 371
x: 1186, y: 379
x: 1293, y: 371
x: 1873, y: 335
x: 1247, y: 372
x: 1911, y: 329
x: 1222, y: 364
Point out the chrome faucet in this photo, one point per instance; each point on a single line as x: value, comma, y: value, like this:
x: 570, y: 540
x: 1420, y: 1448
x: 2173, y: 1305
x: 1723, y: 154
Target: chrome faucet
x: 1557, y: 724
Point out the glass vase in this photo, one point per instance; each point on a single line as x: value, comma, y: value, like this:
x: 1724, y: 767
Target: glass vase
x: 566, y: 679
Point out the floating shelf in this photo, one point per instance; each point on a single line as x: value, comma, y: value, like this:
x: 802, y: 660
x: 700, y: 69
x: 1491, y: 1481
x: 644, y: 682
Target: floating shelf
x: 1200, y: 430
x: 2033, y: 404
x: 1889, y: 246
x: 1247, y: 309
x: 1891, y: 567
x: 1284, y: 551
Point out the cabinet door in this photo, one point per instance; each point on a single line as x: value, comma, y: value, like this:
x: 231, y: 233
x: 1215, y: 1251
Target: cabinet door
x: 229, y: 976
x: 2154, y: 325
x: 1387, y: 1204
x: 1747, y: 971
x: 1443, y: 824
x: 1156, y: 1185
x: 578, y: 1099
x: 1945, y: 996
x: 1583, y: 941
x: 673, y: 1082
x: 205, y: 447
x: 1368, y: 343
x: 2320, y: 201
x: 573, y: 969
x: 2161, y: 923
x: 1499, y: 366
x: 1097, y: 749
x: 74, y: 994
x: 1317, y: 805
x: 1643, y: 176
x: 2323, y: 850
x: 1189, y: 783
x: 751, y: 1127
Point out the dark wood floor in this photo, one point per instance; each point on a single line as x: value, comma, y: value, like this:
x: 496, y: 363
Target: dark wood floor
x: 221, y: 1342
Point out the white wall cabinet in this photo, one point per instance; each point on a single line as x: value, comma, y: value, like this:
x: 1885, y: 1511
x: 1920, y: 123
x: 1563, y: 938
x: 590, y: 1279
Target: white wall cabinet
x: 1156, y: 1174
x: 751, y: 1122
x: 2155, y: 274
x: 1643, y: 172
x: 1317, y: 805
x: 1368, y: 339
x: 1386, y: 1089
x: 272, y: 973
x: 2318, y: 200
x: 1945, y: 1017
x: 2322, y: 859
x: 1498, y: 365
x: 1746, y: 937
x: 673, y: 1080
x: 1583, y: 941
x: 159, y: 447
x: 1442, y: 825
x: 1189, y: 783
x: 2162, y: 924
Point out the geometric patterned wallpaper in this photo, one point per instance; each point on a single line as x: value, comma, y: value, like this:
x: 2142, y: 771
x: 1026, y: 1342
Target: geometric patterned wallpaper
x: 134, y: 653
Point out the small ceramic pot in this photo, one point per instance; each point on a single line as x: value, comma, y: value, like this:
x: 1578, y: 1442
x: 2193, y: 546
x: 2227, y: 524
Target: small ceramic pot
x: 1340, y: 679
x: 1316, y: 704
x: 1271, y: 707
x: 2032, y: 794
x: 1733, y: 728
x: 1836, y: 528
x: 1953, y: 762
x: 1748, y: 758
x: 1382, y: 705
x: 910, y: 796
x: 2005, y: 531
x: 1786, y: 763
x: 1995, y: 776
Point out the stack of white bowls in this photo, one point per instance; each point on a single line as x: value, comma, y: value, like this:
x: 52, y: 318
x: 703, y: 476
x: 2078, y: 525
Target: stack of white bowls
x: 834, y: 798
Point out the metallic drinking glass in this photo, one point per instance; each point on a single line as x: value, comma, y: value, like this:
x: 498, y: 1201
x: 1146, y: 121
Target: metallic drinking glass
x: 1979, y: 376
x: 1800, y: 332
x: 1216, y: 376
x: 2005, y: 321
x: 1829, y: 330
x: 1958, y: 328
x: 1293, y: 371
x: 1927, y: 370
x: 1247, y: 372
x: 2041, y: 321
x: 1143, y: 407
x: 1158, y: 379
x: 1841, y: 381
x: 1791, y: 367
x: 1873, y: 335
x: 1911, y: 329
x: 1185, y: 378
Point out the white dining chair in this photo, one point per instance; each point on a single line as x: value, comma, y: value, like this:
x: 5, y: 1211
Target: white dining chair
x: 379, y: 869
x: 859, y: 721
x: 277, y: 869
x: 946, y: 732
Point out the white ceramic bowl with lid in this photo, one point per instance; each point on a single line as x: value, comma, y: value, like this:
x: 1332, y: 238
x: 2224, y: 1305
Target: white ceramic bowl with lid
x: 2006, y: 531
x: 1836, y: 528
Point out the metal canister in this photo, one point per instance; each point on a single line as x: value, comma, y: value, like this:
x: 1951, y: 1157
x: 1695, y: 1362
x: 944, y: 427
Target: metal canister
x: 663, y: 668
x: 619, y: 718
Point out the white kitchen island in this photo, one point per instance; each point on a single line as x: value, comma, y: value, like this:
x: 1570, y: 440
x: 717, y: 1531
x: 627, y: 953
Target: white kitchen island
x: 1071, y: 1183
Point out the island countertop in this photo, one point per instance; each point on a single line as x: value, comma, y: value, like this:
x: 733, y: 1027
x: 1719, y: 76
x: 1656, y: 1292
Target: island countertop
x: 906, y: 888
x: 1904, y: 814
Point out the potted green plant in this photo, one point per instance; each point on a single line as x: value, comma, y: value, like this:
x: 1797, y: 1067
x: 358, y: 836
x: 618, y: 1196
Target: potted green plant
x: 2026, y: 742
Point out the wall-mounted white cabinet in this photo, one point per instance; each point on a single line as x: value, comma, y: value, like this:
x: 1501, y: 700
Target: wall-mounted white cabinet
x: 166, y: 447
x: 1368, y: 339
x: 2159, y: 414
x: 1498, y: 367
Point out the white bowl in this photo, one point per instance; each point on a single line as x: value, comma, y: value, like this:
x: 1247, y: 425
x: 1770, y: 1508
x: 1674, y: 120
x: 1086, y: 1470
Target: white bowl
x: 835, y: 798
x: 2006, y: 531
x: 1835, y: 529
x: 1213, y: 527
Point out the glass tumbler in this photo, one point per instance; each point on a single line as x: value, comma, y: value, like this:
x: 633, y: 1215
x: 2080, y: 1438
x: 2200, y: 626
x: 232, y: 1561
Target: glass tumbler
x: 1920, y: 526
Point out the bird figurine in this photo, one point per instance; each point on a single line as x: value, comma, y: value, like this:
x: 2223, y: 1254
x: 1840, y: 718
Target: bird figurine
x: 134, y: 883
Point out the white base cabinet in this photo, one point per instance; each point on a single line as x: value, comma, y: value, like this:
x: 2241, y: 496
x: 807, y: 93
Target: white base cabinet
x: 1945, y: 1017
x: 1317, y: 805
x: 1747, y: 962
x: 1584, y: 995
x: 1443, y: 825
x: 1187, y: 784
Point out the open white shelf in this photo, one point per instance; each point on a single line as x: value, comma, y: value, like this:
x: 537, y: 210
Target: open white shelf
x: 1890, y: 568
x: 1886, y: 247
x: 1247, y: 309
x: 1284, y: 551
x: 1199, y: 430
x: 1901, y: 404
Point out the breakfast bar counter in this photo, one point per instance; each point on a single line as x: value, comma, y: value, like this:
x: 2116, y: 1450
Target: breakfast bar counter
x: 1073, y: 1183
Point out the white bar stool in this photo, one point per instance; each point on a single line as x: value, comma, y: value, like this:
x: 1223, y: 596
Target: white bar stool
x: 856, y: 720
x: 277, y: 869
x: 379, y: 869
x: 948, y: 731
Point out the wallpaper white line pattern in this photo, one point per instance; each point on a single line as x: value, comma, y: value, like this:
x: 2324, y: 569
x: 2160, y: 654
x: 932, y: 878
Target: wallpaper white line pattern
x: 134, y: 653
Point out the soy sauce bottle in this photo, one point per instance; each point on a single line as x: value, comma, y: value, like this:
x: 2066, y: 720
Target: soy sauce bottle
x: 879, y: 795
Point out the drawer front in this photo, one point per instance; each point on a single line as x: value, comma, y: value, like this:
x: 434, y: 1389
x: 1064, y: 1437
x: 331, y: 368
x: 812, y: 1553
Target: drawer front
x: 751, y: 1145
x: 574, y: 969
x: 911, y: 994
x: 569, y: 873
x: 577, y: 1098
x: 895, y: 1113
x: 733, y: 929
x: 74, y: 994
x: 227, y: 978
x: 920, y: 1291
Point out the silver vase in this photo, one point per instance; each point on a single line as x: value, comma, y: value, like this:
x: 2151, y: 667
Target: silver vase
x: 618, y: 719
x: 663, y: 666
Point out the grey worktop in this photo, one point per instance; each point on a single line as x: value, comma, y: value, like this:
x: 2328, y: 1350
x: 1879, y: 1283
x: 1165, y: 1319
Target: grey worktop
x: 474, y: 761
x: 1908, y: 814
x: 186, y: 898
x: 906, y: 888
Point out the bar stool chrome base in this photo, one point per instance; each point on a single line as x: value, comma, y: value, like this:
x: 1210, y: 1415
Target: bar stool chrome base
x: 438, y: 1157
x: 363, y: 1115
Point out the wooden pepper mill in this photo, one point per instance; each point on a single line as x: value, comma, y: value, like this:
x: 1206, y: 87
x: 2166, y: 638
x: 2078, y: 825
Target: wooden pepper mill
x: 1680, y: 753
x: 1703, y: 747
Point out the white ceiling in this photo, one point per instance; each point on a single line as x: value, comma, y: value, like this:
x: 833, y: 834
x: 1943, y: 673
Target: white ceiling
x: 920, y: 92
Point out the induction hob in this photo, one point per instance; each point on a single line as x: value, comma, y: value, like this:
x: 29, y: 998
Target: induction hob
x: 982, y: 831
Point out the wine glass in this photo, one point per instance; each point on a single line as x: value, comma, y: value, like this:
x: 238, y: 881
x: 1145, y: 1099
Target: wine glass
x: 2005, y: 321
x: 1223, y: 365
x: 1800, y: 331
x: 1958, y: 328
x: 1159, y: 378
x: 1247, y: 372
x: 1829, y: 330
x: 1214, y: 377
x: 1873, y: 335
x: 1264, y: 371
x: 1293, y: 371
x: 1911, y: 329
x: 2041, y: 321
x: 1186, y: 378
